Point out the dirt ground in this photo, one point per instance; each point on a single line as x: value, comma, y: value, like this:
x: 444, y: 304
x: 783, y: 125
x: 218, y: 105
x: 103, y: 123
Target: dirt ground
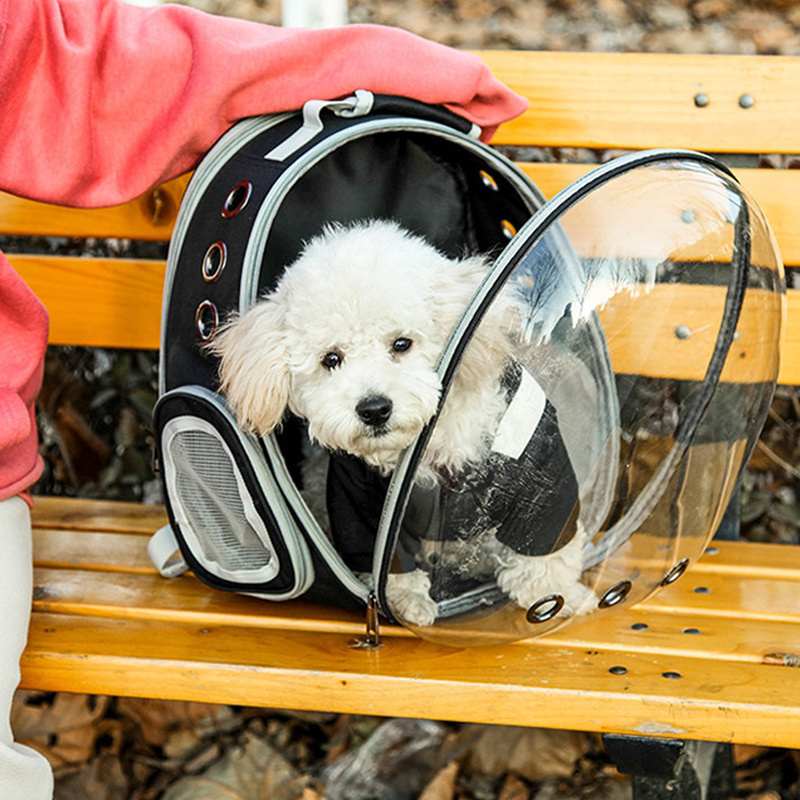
x: 663, y: 26
x: 123, y: 749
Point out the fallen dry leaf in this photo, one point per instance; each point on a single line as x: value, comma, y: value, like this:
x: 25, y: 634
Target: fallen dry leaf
x: 158, y: 720
x: 513, y: 789
x: 102, y: 778
x: 443, y: 784
x: 252, y: 771
x: 534, y: 754
x: 64, y: 727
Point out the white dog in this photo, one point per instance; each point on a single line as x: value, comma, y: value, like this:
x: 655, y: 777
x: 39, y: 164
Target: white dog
x: 348, y: 341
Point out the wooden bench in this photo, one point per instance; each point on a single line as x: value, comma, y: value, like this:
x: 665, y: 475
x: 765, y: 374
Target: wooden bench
x: 711, y: 666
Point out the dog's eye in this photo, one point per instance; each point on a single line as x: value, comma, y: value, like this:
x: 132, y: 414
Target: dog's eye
x: 401, y: 344
x: 332, y: 360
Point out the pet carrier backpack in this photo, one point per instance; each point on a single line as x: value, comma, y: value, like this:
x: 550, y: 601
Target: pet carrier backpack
x: 615, y: 457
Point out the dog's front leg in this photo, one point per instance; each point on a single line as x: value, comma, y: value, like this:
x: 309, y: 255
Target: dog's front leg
x: 408, y: 594
x: 528, y: 579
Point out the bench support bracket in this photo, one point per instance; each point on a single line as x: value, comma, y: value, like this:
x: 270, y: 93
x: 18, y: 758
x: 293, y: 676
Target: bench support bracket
x: 672, y: 768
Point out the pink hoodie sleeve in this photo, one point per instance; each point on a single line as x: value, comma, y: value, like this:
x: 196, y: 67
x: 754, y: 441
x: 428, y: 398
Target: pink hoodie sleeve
x: 101, y: 100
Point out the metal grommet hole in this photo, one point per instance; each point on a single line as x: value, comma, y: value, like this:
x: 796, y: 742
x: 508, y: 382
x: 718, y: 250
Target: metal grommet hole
x: 616, y: 594
x: 214, y: 261
x: 671, y: 675
x: 640, y: 626
x: 237, y: 199
x: 618, y: 671
x: 545, y: 609
x: 488, y: 181
x: 675, y: 572
x: 509, y: 231
x: 206, y: 320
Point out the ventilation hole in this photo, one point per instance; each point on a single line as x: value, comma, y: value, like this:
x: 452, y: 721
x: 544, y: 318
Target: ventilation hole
x: 675, y: 572
x: 206, y: 320
x: 702, y: 590
x: 214, y: 262
x: 237, y: 199
x: 673, y: 676
x: 618, y: 671
x: 616, y: 594
x: 545, y: 609
x: 692, y: 631
x: 488, y: 181
x: 640, y: 626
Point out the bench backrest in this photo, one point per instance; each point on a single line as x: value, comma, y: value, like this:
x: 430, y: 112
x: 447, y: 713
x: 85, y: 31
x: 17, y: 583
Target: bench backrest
x: 721, y: 104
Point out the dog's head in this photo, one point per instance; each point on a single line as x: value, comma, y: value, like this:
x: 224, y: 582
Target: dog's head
x: 348, y: 340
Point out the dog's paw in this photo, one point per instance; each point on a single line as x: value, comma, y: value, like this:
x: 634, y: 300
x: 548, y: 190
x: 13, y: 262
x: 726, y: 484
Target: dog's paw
x: 408, y: 595
x: 528, y: 579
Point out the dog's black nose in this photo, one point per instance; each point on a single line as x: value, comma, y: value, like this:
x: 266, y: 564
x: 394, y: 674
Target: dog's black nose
x: 374, y: 411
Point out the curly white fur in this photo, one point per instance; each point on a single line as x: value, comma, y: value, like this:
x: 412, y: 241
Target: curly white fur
x: 354, y: 294
x: 348, y: 340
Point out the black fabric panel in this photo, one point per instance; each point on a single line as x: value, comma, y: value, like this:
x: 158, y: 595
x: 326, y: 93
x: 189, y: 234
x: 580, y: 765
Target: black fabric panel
x: 355, y: 494
x: 430, y: 186
x: 185, y: 361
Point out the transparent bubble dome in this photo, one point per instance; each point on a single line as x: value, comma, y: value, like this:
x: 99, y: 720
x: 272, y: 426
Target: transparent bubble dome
x: 602, y: 392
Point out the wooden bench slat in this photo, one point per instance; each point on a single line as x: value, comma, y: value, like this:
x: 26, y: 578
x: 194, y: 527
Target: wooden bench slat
x: 93, y: 550
x: 73, y: 513
x: 745, y: 598
x: 751, y: 559
x: 548, y: 686
x: 97, y: 302
x: 75, y: 519
x: 185, y: 599
x: 142, y: 594
x: 728, y: 638
x: 776, y: 191
x: 126, y: 306
x: 150, y: 217
x: 637, y: 101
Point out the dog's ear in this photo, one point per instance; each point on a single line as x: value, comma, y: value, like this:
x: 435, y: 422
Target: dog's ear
x: 489, y: 347
x: 253, y: 370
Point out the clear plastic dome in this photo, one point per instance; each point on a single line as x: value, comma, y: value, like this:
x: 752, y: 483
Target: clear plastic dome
x: 602, y: 392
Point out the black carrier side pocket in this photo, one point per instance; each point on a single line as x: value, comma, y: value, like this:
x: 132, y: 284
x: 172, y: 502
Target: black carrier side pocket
x: 226, y: 510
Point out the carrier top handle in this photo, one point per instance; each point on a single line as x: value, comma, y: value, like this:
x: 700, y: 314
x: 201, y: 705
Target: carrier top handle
x: 359, y: 105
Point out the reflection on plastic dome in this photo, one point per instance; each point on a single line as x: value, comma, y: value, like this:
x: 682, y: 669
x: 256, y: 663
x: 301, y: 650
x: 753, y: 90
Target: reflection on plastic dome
x: 619, y: 365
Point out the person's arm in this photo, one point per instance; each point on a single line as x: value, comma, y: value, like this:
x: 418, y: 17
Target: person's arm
x: 101, y: 100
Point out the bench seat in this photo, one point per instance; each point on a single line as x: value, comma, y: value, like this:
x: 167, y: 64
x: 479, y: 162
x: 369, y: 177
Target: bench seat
x: 715, y: 664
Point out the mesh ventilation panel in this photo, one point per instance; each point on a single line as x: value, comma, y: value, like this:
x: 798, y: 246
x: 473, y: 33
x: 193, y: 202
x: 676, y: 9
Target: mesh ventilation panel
x: 214, y: 509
